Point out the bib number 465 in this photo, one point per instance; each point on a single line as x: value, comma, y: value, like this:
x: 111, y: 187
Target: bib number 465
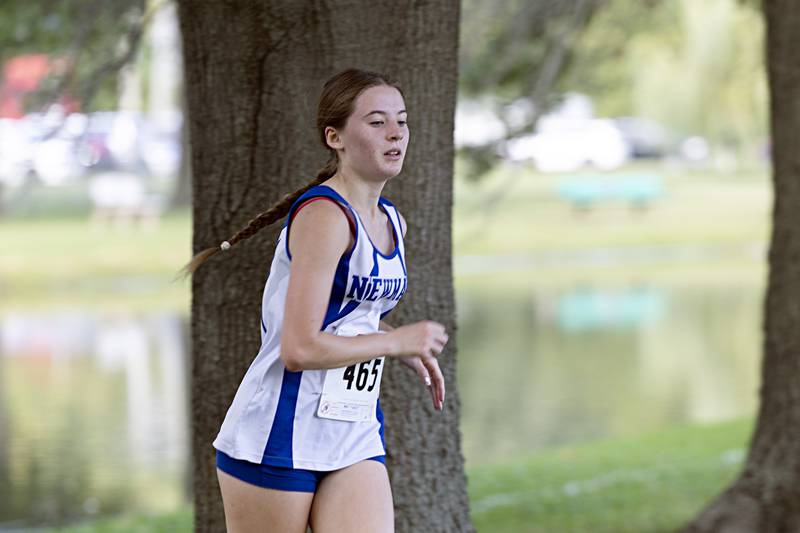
x: 358, y: 378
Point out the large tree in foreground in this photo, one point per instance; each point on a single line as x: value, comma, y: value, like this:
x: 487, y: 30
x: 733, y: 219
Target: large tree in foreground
x: 253, y: 70
x: 766, y: 496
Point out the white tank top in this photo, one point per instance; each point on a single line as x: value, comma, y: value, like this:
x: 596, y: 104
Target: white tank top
x: 277, y: 417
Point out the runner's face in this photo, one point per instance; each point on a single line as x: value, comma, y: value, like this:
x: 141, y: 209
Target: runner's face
x: 375, y: 137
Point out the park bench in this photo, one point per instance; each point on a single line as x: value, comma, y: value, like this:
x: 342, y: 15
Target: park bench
x: 584, y: 191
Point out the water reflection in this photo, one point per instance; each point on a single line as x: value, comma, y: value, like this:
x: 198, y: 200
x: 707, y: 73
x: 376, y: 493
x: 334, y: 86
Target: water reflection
x: 94, y: 406
x: 587, y: 309
x: 94, y: 415
x: 564, y: 366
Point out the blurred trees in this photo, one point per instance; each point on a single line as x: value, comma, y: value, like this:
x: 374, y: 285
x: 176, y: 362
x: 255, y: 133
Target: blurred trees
x: 694, y: 67
x: 625, y: 54
x: 516, y: 50
x: 89, y: 41
x: 97, y: 55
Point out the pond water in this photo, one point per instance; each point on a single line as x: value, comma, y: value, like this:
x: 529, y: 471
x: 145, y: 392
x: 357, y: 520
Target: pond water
x: 547, y: 368
x: 94, y: 406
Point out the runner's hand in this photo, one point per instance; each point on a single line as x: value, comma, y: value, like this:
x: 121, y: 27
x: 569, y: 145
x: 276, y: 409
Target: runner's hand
x: 428, y: 371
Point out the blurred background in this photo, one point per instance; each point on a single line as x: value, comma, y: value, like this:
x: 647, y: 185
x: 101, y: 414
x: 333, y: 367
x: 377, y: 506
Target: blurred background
x: 612, y: 210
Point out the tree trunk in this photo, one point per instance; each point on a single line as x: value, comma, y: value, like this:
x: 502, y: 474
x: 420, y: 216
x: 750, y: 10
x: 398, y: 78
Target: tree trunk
x: 253, y: 71
x: 766, y: 496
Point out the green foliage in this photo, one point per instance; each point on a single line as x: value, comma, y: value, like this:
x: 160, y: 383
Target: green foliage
x: 696, y: 67
x: 601, y: 63
x: 87, y: 35
x: 505, y: 45
x: 516, y: 49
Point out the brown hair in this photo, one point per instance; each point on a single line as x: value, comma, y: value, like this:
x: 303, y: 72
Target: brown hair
x: 336, y: 104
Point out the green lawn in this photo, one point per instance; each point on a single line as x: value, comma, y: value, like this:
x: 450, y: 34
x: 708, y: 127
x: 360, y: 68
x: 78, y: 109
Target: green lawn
x: 644, y: 484
x: 514, y: 210
x: 51, y: 262
x: 178, y: 521
x: 513, y: 213
x: 648, y: 483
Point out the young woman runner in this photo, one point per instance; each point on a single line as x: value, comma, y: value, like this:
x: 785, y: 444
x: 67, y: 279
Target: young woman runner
x: 302, y: 443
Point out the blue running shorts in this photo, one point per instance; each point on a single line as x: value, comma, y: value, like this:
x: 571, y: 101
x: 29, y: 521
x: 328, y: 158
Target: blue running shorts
x: 275, y: 477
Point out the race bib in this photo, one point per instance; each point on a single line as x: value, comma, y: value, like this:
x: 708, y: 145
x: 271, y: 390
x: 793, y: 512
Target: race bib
x: 350, y: 393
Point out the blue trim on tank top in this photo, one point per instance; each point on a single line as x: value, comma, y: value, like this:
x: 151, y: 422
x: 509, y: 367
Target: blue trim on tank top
x: 382, y: 203
x: 318, y: 191
x: 279, y: 443
x: 335, y: 311
x: 399, y: 225
x: 379, y: 416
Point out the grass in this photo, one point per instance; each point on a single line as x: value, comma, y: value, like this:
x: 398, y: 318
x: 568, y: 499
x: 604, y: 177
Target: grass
x: 649, y: 483
x: 65, y: 249
x: 512, y: 215
x: 179, y: 520
x: 52, y: 262
x: 645, y: 484
x: 514, y: 210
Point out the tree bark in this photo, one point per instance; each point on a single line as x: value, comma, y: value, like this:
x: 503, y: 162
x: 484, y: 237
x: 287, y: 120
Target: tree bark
x: 253, y: 72
x: 766, y: 496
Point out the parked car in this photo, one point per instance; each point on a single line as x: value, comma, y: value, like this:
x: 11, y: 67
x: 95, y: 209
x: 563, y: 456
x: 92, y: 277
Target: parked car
x: 567, y: 144
x: 53, y: 139
x: 647, y: 139
x: 15, y: 152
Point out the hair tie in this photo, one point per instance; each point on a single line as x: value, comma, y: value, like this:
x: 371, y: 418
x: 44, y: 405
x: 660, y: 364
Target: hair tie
x: 225, y: 246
